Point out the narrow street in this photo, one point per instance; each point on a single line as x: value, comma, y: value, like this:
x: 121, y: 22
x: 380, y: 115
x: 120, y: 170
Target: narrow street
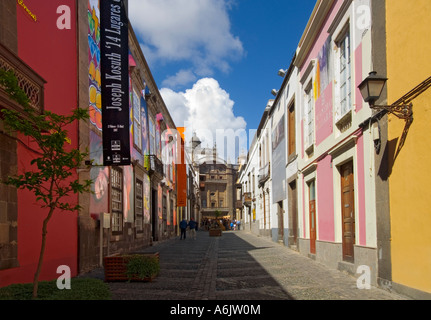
x: 240, y: 266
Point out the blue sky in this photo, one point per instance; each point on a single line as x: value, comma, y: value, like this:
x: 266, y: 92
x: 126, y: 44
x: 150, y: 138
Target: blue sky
x: 216, y: 61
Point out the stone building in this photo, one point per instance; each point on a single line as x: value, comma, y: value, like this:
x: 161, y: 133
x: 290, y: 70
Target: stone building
x: 217, y: 184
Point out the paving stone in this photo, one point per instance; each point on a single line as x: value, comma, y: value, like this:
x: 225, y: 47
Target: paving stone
x: 240, y: 266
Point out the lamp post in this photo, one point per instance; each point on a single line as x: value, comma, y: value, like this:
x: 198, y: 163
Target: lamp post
x: 371, y: 89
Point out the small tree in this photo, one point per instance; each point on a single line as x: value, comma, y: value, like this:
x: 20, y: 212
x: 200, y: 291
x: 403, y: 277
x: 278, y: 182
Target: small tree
x: 51, y: 176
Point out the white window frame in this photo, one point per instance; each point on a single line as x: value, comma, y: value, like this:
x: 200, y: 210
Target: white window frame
x: 308, y: 107
x: 137, y: 123
x: 344, y: 74
x: 309, y: 125
x: 152, y: 135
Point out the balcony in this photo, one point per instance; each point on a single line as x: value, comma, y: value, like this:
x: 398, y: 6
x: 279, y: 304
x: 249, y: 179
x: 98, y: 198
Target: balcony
x: 211, y: 211
x: 247, y: 199
x: 216, y: 181
x: 238, y: 204
x: 154, y: 166
x: 28, y: 80
x: 264, y: 174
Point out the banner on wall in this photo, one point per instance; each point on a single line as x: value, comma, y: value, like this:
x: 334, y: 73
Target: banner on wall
x: 145, y: 133
x: 181, y: 171
x: 114, y: 48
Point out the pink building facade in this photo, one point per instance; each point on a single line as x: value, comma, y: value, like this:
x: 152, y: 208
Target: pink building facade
x: 336, y: 187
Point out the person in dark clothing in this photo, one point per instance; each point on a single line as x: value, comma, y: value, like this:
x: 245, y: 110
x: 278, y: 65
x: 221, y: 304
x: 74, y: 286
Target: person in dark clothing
x: 183, y: 227
x: 193, y: 226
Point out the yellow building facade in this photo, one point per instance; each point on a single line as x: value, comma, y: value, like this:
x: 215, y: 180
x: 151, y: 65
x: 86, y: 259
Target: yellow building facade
x: 408, y: 65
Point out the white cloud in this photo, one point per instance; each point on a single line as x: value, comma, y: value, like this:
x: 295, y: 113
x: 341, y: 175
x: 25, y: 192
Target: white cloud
x: 182, y: 78
x: 177, y: 104
x: 196, y: 31
x: 205, y: 109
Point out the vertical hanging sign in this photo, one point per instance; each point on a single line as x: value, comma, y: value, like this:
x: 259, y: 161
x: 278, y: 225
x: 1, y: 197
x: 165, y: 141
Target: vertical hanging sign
x: 114, y: 49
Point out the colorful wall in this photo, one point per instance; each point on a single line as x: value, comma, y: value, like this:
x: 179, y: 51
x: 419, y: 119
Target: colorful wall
x: 338, y: 138
x: 51, y: 52
x: 407, y: 41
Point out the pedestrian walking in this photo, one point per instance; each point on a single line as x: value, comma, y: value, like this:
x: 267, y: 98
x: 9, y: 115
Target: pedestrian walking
x: 192, y: 226
x: 183, y: 227
x: 238, y: 223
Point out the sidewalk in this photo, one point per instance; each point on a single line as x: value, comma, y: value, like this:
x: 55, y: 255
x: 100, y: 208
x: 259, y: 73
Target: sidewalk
x: 240, y: 266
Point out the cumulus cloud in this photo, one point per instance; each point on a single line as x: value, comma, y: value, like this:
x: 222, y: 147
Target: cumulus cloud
x: 196, y: 31
x: 196, y: 36
x: 207, y: 110
x: 182, y: 78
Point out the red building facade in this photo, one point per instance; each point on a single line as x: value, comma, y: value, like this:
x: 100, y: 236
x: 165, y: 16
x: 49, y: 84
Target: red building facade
x: 54, y: 48
x: 44, y: 42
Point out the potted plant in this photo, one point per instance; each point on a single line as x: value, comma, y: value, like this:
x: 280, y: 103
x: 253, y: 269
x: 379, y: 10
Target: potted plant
x: 141, y: 268
x: 215, y: 229
x: 132, y: 267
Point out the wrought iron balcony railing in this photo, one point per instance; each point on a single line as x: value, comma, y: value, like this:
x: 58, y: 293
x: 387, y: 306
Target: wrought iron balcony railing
x: 264, y: 174
x: 214, y: 209
x: 238, y: 204
x: 28, y: 80
x: 247, y: 200
x: 154, y: 165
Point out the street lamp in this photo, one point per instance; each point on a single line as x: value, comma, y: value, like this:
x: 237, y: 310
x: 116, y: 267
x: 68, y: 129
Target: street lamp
x: 282, y: 73
x: 371, y: 89
x: 274, y: 92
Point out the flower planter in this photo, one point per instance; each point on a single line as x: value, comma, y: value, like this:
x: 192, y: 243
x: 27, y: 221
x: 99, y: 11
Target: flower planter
x: 116, y: 267
x: 215, y: 232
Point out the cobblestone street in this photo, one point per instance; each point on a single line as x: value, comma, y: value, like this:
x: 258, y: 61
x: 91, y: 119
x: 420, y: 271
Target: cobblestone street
x: 240, y: 266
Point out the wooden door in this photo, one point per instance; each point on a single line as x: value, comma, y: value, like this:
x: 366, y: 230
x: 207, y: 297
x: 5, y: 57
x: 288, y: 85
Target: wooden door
x: 312, y: 207
x: 348, y: 211
x: 154, y: 216
x: 293, y: 213
x: 280, y: 221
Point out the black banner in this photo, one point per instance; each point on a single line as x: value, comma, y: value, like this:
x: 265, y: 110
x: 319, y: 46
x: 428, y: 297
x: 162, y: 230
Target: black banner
x: 114, y: 65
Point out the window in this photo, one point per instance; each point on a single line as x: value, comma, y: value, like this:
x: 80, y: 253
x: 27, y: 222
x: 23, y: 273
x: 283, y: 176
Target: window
x: 260, y: 157
x: 345, y: 76
x: 165, y: 208
x: 221, y: 203
x: 137, y: 124
x: 171, y: 211
x: 254, y: 182
x: 309, y: 117
x: 312, y: 189
x: 292, y: 130
x: 139, y: 206
x: 152, y: 131
x: 117, y: 200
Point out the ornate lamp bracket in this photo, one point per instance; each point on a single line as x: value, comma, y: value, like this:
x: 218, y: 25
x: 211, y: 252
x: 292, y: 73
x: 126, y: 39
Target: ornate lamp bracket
x: 402, y: 111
